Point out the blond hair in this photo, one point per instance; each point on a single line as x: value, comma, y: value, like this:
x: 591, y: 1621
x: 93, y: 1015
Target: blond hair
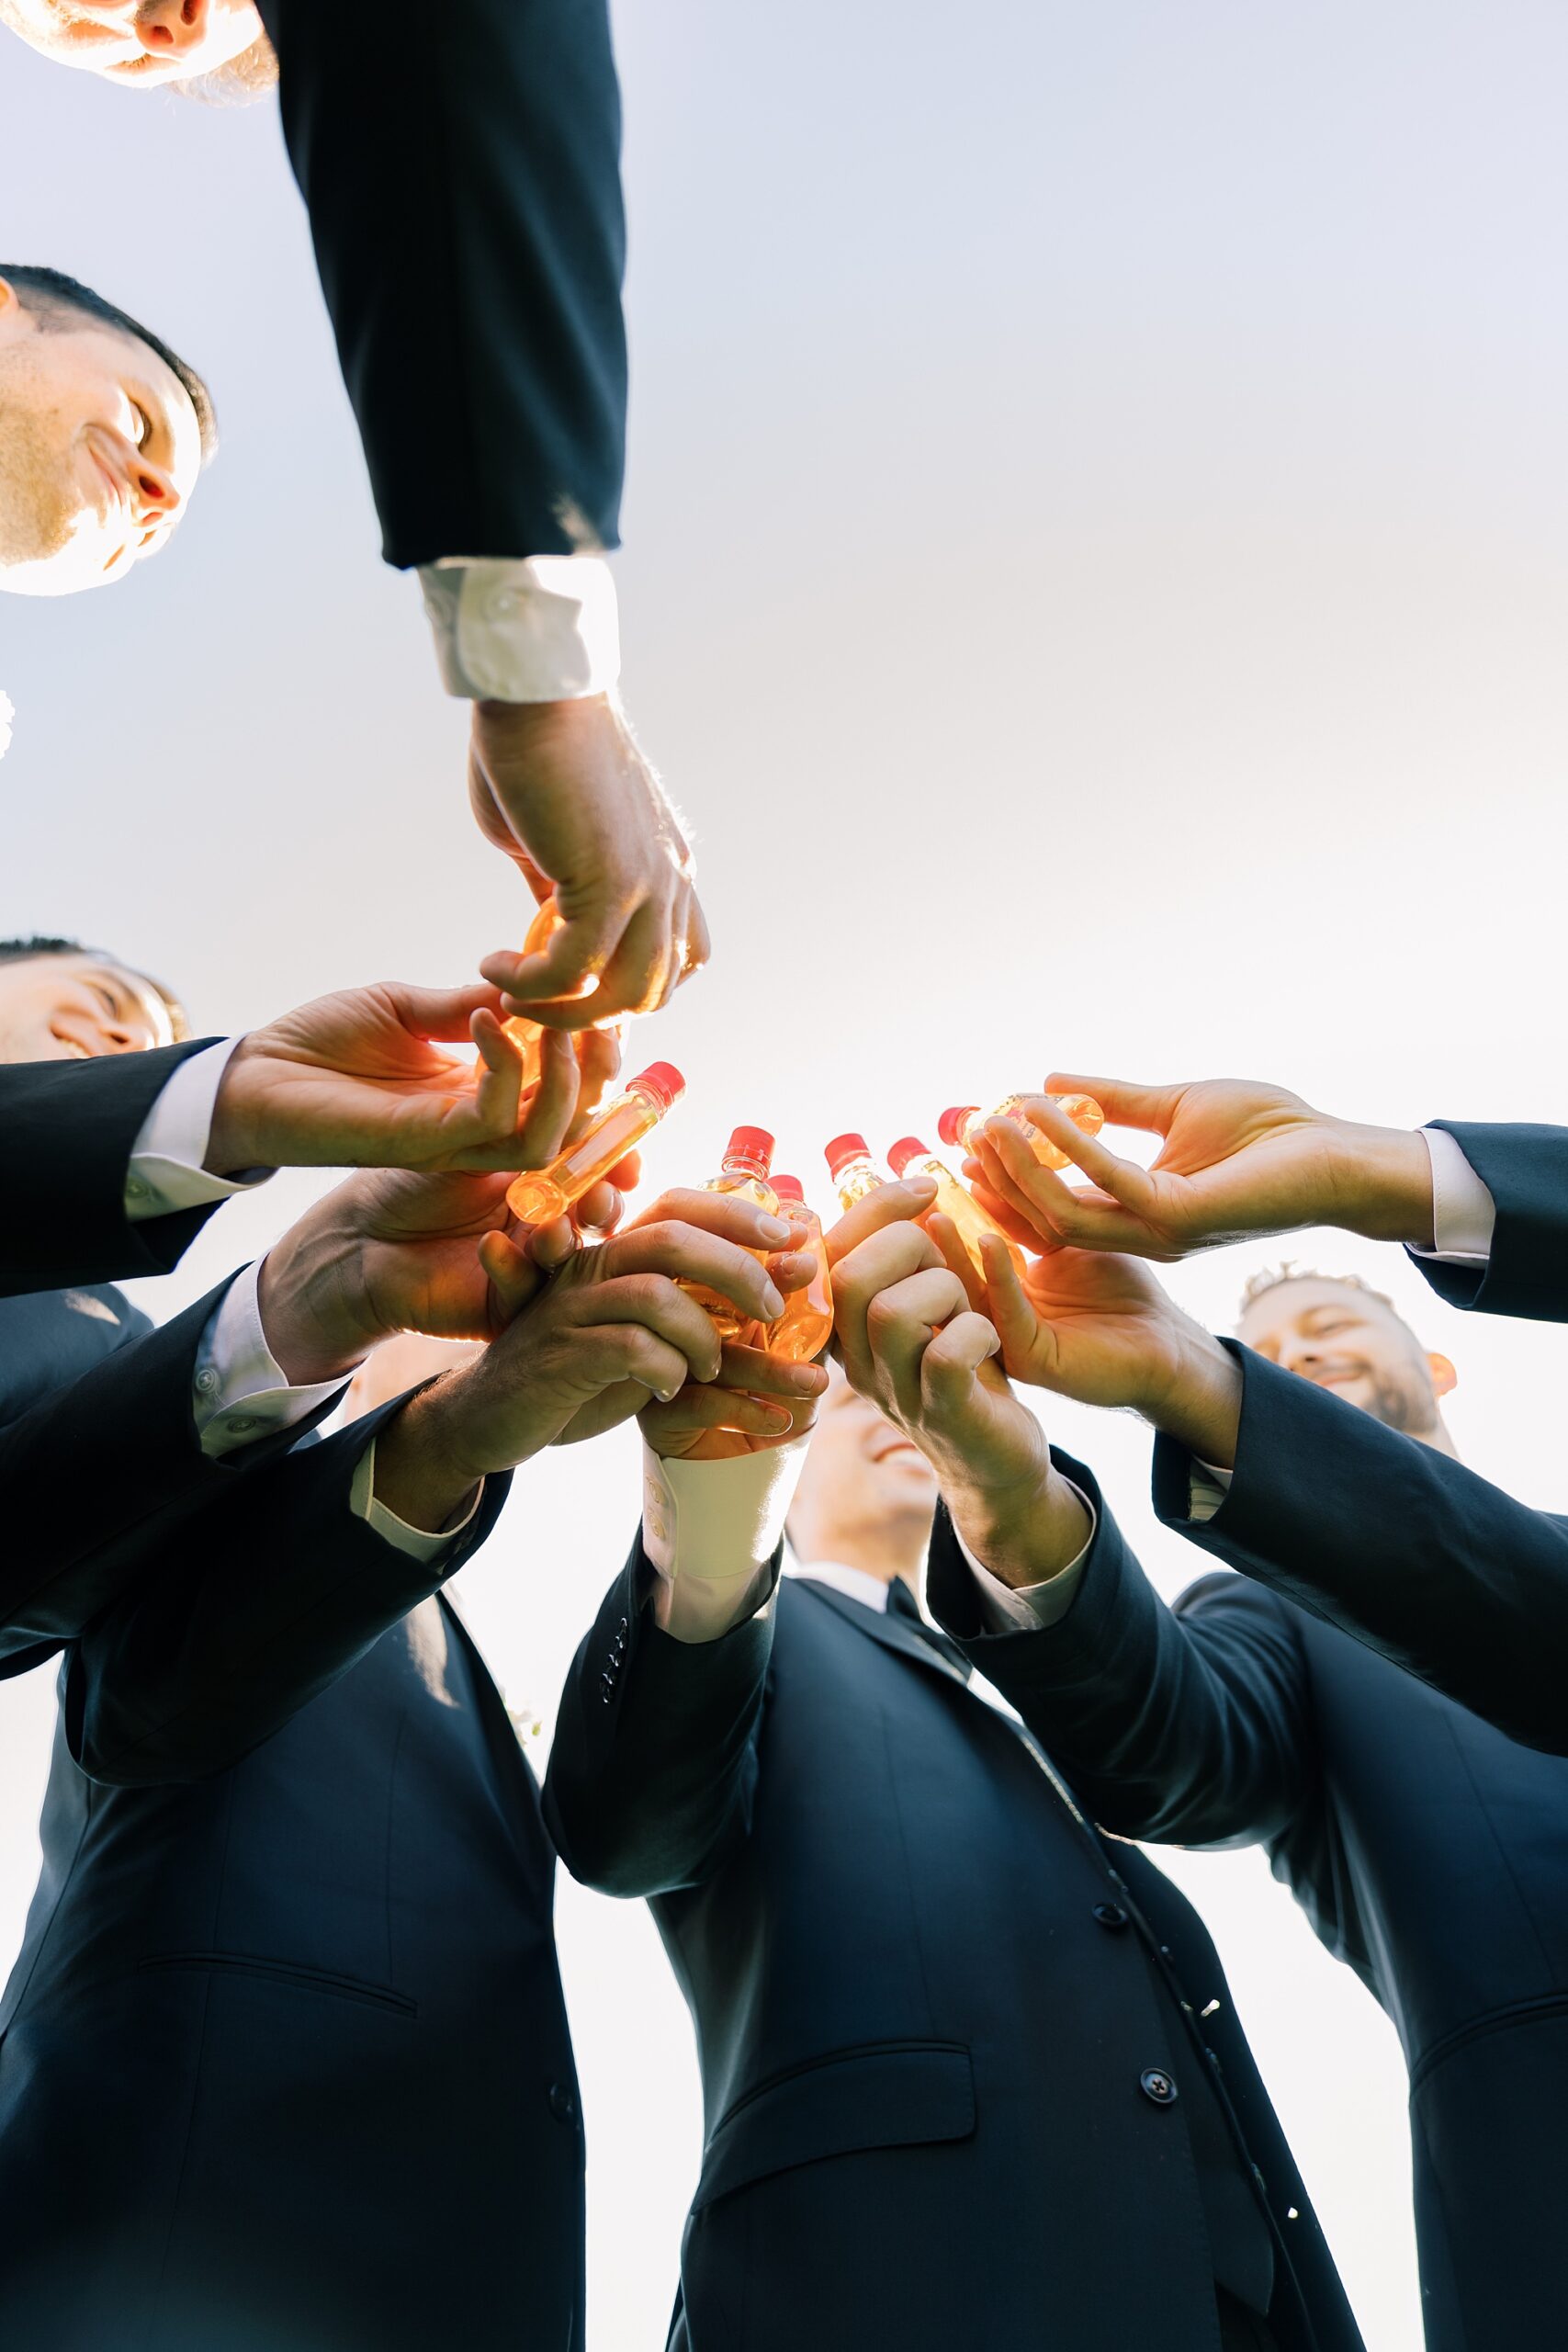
x: 1270, y: 1278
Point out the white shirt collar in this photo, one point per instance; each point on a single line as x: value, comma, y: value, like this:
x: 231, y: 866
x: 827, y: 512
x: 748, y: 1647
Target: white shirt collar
x: 855, y: 1583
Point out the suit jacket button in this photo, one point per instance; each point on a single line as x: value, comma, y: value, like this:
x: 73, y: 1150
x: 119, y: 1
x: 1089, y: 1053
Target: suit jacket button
x: 563, y: 2107
x: 1156, y: 2084
x: 1111, y: 1915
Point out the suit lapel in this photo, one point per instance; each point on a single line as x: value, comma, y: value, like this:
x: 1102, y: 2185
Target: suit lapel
x: 878, y: 1626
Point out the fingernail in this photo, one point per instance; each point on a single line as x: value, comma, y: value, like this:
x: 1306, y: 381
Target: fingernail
x: 772, y: 1229
x: 922, y: 1184
x: 809, y: 1378
x: 773, y: 1301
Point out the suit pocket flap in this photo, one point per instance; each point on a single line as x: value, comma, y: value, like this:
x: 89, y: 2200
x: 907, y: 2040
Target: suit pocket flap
x: 898, y: 2094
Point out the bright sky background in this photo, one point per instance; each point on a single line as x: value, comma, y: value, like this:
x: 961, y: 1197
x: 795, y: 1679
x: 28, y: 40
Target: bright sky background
x: 1095, y: 580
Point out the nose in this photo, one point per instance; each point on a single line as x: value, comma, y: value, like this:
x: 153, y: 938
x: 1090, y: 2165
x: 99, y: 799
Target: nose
x: 154, y: 497
x: 168, y: 28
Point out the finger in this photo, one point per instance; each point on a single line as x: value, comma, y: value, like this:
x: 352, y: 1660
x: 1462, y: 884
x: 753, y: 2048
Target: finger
x: 899, y: 1322
x: 1002, y: 1213
x: 550, y: 1246
x: 1083, y: 1220
x: 605, y: 1354
x: 685, y: 1253
x: 885, y: 1258
x: 642, y: 973
x: 702, y: 1407
x: 599, y: 1211
x: 567, y: 969
x: 1123, y: 1103
x: 443, y: 1015
x: 945, y: 1234
x: 598, y: 1055
x: 499, y: 1091
x: 1018, y: 1328
x: 552, y: 1106
x: 661, y: 1307
x: 1124, y: 1180
x: 724, y: 1214
x: 955, y: 1354
x: 765, y: 1375
x: 626, y: 1174
x: 887, y: 1205
x: 698, y: 945
x: 514, y: 1278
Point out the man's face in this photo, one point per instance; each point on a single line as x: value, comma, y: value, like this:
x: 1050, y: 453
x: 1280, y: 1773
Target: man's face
x: 138, y: 40
x: 860, y: 1472
x: 1343, y: 1339
x: 75, y: 1007
x: 99, y: 450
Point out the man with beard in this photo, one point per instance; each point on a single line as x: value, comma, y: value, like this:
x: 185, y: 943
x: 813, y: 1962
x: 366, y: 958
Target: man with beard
x: 1428, y: 1849
x: 1431, y: 1566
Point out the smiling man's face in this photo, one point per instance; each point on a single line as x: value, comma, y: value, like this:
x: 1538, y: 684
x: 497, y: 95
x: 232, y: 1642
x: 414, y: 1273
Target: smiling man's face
x: 138, y: 43
x: 100, y: 447
x: 860, y: 1478
x: 1352, y: 1343
x: 77, y: 1007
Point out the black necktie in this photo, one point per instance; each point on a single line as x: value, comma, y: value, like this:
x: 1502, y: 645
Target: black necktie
x: 902, y: 1604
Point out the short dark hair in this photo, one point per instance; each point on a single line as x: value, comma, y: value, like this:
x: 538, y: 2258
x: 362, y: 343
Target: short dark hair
x: 24, y: 951
x: 50, y: 289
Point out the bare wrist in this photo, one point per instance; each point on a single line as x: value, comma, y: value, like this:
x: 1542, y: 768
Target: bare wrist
x: 315, y: 1327
x: 1025, y: 1538
x: 1383, y: 1184
x: 1200, y: 1405
x: 420, y: 1477
x: 231, y: 1143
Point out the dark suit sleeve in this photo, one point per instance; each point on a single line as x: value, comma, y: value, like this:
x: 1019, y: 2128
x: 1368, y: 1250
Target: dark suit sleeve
x: 461, y: 169
x: 98, y: 1477
x: 1400, y: 1547
x: 66, y: 1132
x: 251, y: 1611
x: 654, y: 1766
x: 1525, y: 1169
x: 1196, y: 1732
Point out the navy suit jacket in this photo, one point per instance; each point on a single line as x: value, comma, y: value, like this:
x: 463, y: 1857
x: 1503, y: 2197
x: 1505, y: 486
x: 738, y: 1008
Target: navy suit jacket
x: 101, y: 1470
x: 284, y: 2060
x: 1437, y: 1569
x: 1524, y: 1168
x: 1430, y: 1851
x: 68, y: 1129
x: 930, y: 2004
x: 461, y: 169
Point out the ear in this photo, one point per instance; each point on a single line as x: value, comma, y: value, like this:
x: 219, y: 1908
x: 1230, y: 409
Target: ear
x: 1445, y: 1379
x: 10, y: 301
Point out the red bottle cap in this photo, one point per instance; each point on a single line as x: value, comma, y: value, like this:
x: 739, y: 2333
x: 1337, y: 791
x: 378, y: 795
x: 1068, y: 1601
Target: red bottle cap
x: 789, y: 1188
x: 751, y: 1143
x: 664, y: 1081
x: 843, y: 1149
x: 907, y: 1147
x: 950, y: 1127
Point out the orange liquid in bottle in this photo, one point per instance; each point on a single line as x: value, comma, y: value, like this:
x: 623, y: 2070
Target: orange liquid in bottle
x: 805, y: 1327
x: 909, y: 1157
x: 853, y: 1168
x: 744, y: 1170
x: 955, y: 1125
x: 542, y: 1194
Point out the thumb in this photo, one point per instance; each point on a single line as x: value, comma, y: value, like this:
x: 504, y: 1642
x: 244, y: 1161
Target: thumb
x: 1123, y: 1103
x: 950, y: 1363
x: 567, y: 968
x: 514, y: 1280
x: 1016, y: 1325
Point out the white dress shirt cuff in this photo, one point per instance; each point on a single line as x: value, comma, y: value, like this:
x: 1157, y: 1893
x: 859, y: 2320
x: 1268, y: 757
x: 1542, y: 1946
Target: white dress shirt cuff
x: 1207, y: 1486
x: 538, y: 629
x: 712, y: 1530
x: 415, y: 1541
x: 1029, y: 1608
x: 1464, y: 1215
x: 164, y: 1171
x: 241, y: 1393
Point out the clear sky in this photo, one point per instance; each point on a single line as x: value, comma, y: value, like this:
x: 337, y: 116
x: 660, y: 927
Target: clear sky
x: 1095, y: 580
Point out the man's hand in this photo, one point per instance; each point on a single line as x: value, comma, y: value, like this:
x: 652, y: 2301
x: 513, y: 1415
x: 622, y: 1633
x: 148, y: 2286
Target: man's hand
x: 359, y: 1081
x: 1234, y: 1158
x: 610, y: 1328
x: 1099, y: 1329
x: 911, y: 1343
x: 562, y: 788
x: 755, y: 1403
